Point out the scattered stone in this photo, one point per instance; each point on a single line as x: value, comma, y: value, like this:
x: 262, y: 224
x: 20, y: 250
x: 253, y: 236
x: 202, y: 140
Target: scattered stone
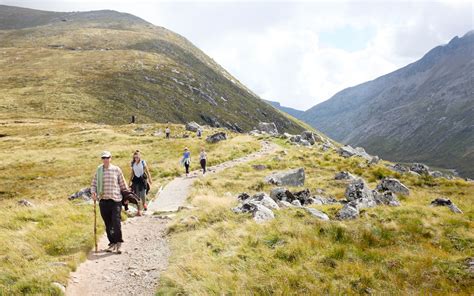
x: 320, y: 200
x: 348, y: 151
x: 420, y: 168
x: 294, y: 177
x: 399, y: 168
x: 84, y: 193
x: 259, y: 167
x: 217, y: 137
x: 387, y: 198
x: 265, y: 200
x: 436, y: 174
x: 326, y: 146
x: 358, y: 189
x: 393, y: 185
x: 317, y: 214
x: 25, y: 203
x: 296, y: 203
x: 279, y: 194
x: 309, y: 137
x: 349, y: 211
x: 303, y: 196
x: 285, y: 204
x: 259, y: 212
x: 192, y: 126
x: 447, y: 203
x: 374, y: 160
x: 268, y: 127
x: 344, y: 176
x: 243, y: 196
x: 59, y: 286
x: 255, y: 133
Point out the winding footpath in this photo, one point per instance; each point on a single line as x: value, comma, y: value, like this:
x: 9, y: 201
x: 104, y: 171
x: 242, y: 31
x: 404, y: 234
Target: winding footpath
x: 145, y: 252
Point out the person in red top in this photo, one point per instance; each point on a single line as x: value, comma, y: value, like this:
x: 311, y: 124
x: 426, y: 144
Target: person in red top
x: 106, y: 186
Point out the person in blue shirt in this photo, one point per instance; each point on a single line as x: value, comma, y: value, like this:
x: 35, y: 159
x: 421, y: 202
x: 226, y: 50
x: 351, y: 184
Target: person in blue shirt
x: 186, y: 160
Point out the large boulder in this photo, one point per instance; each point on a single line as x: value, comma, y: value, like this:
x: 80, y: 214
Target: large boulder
x: 358, y: 189
x: 294, y: 177
x: 420, y: 168
x: 279, y: 194
x: 447, y: 203
x: 259, y: 212
x: 268, y: 127
x: 393, y: 185
x: 308, y: 136
x: 318, y: 214
x: 348, y: 151
x: 265, y: 200
x: 192, y: 126
x: 399, y: 168
x: 217, y: 137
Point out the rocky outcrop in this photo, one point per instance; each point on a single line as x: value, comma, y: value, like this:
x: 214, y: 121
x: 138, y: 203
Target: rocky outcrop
x: 217, y: 137
x: 358, y: 189
x: 348, y: 151
x: 393, y: 185
x: 192, y: 126
x: 420, y: 168
x: 259, y: 212
x: 294, y: 177
x: 387, y: 198
x: 344, y: 176
x: 447, y: 203
x: 268, y: 127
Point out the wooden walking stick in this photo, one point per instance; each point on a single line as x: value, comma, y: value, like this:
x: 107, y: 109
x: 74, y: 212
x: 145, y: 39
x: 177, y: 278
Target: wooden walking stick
x: 95, y: 225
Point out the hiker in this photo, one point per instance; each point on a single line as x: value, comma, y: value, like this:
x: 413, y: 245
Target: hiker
x: 167, y: 132
x: 186, y: 160
x: 106, y: 186
x: 199, y: 132
x: 140, y: 179
x: 202, y: 160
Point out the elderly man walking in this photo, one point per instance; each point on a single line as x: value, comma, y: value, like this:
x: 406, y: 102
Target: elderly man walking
x: 106, y: 186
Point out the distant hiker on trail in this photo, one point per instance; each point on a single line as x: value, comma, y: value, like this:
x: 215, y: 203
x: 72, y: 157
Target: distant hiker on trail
x: 202, y: 160
x: 107, y: 185
x: 199, y: 132
x: 186, y: 160
x: 140, y: 179
x: 167, y: 132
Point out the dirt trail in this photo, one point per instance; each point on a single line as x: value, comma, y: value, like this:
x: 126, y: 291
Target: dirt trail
x: 145, y: 251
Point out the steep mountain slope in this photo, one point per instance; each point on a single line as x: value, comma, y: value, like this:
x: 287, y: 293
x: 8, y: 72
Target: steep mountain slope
x: 104, y: 66
x: 422, y: 112
x: 293, y: 112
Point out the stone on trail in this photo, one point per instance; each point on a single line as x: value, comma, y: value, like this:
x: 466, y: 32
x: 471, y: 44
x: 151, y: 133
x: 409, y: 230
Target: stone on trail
x: 294, y: 177
x: 217, y: 137
x: 192, y: 126
x: 393, y: 185
x: 446, y: 202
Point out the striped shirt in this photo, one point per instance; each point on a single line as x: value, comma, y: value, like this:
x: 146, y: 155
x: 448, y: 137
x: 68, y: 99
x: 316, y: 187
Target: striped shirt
x: 114, y: 183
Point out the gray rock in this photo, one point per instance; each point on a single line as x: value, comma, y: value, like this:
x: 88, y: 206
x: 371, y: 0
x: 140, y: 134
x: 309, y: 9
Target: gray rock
x: 304, y: 143
x: 318, y: 214
x: 25, y: 203
x: 399, y: 168
x: 358, y: 189
x: 320, y: 200
x: 279, y: 194
x: 344, y: 176
x: 374, y: 160
x: 349, y: 211
x: 393, y: 185
x: 304, y: 196
x: 296, y: 203
x: 268, y: 127
x: 420, y: 168
x: 295, y: 139
x: 262, y: 214
x: 436, y: 174
x: 309, y: 137
x: 84, y: 193
x: 259, y: 167
x: 265, y: 200
x: 348, y: 151
x: 285, y: 204
x: 447, y: 203
x: 243, y: 196
x: 255, y: 133
x: 192, y: 126
x: 217, y: 137
x: 387, y: 198
x: 287, y: 136
x: 294, y: 177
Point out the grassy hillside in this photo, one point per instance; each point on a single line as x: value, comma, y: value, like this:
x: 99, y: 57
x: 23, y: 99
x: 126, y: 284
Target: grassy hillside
x: 105, y: 66
x: 46, y: 161
x: 413, y: 249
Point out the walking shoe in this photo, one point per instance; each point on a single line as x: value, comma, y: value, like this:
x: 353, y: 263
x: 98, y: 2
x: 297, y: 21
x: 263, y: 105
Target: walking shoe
x: 110, y: 248
x: 117, y: 248
x: 145, y: 207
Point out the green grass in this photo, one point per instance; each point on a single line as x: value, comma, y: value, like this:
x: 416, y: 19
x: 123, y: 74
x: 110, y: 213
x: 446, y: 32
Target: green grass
x: 44, y: 243
x: 411, y: 249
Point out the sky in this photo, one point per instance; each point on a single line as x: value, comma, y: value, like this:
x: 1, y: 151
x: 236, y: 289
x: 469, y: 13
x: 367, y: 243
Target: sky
x: 299, y: 53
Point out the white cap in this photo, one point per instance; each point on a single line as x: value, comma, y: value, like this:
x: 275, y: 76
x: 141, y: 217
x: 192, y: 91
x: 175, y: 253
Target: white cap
x: 106, y: 154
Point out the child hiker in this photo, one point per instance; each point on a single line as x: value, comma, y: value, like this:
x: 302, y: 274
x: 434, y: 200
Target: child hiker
x: 186, y: 160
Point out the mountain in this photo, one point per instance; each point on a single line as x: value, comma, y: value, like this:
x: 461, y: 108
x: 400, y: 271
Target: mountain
x: 421, y: 112
x: 293, y: 112
x: 105, y: 66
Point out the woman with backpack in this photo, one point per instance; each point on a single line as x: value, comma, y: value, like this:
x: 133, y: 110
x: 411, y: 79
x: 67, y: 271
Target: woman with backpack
x: 140, y: 179
x: 186, y: 160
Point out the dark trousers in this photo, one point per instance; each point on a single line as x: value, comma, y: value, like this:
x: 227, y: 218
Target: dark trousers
x: 167, y: 135
x: 110, y: 212
x: 203, y: 165
x: 186, y: 165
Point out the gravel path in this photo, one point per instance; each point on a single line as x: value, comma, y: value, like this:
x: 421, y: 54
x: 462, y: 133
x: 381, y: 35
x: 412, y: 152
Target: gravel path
x: 145, y: 252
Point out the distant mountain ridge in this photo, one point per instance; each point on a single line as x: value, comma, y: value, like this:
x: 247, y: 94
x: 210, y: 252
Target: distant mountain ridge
x: 104, y: 66
x: 421, y: 112
x: 293, y: 112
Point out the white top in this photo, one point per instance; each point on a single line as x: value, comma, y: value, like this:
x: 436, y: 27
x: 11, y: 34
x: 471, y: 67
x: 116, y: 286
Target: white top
x: 202, y: 155
x: 167, y: 130
x: 138, y: 169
